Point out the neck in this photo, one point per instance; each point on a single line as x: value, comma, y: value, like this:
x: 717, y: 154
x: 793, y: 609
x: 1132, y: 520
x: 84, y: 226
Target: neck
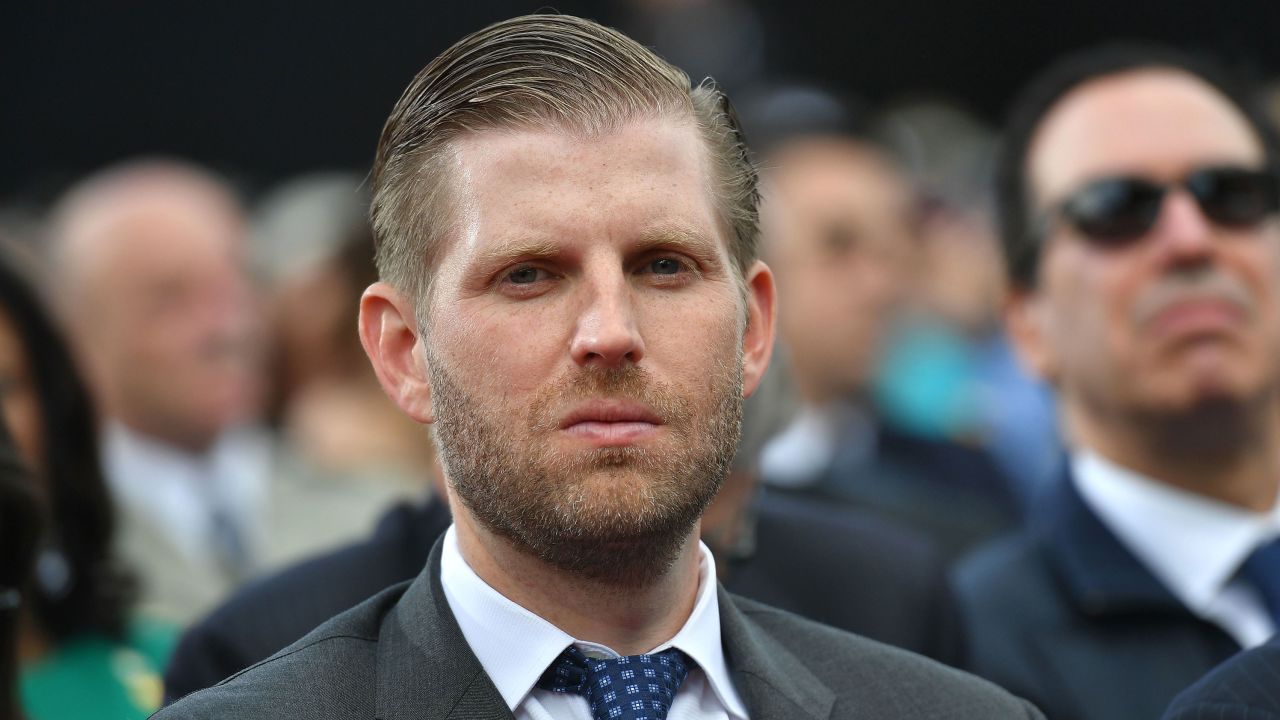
x: 193, y: 444
x: 630, y: 620
x: 815, y: 393
x: 1230, y: 454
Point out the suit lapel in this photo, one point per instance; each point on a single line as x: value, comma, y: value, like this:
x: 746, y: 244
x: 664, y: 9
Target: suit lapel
x: 1101, y: 575
x: 773, y: 683
x: 1135, y: 631
x: 425, y: 667
x: 427, y: 670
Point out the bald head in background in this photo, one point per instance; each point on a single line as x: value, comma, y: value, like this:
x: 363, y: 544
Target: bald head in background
x: 150, y: 278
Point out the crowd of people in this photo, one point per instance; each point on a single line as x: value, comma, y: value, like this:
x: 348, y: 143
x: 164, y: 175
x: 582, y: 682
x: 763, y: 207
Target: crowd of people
x: 489, y: 434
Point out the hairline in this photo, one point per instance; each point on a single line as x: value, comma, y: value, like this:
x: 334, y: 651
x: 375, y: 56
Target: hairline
x: 1020, y: 240
x: 445, y: 149
x: 1032, y: 193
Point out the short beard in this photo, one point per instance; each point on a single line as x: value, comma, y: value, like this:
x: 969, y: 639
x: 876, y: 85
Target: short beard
x: 554, y: 507
x: 1212, y: 435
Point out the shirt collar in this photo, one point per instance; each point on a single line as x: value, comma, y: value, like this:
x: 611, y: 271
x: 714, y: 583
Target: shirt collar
x: 490, y: 621
x: 176, y: 490
x: 798, y: 455
x: 1191, y: 543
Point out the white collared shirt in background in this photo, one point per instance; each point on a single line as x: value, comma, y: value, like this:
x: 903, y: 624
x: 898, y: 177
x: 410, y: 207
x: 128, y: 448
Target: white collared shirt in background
x: 515, y: 647
x: 180, y: 491
x: 1194, y: 545
x: 798, y: 455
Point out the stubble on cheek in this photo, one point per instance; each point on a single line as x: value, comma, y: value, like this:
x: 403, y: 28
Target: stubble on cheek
x: 617, y: 515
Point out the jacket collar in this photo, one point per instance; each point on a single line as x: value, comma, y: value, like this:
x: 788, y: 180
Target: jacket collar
x: 1100, y: 574
x: 425, y: 667
x: 773, y: 683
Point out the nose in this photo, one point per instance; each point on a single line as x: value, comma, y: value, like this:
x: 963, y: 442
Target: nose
x: 606, y: 334
x: 1185, y: 234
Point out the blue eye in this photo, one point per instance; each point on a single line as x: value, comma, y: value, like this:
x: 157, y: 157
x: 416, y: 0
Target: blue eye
x: 665, y: 266
x: 523, y: 275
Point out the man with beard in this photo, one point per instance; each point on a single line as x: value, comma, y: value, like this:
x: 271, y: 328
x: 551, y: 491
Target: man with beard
x: 1139, y: 202
x: 570, y: 296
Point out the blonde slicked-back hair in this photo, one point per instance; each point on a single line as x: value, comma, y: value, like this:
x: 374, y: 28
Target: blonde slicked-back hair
x: 538, y: 72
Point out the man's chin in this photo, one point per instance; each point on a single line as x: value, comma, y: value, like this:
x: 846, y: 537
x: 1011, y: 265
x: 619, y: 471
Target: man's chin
x: 1207, y: 419
x: 617, y: 558
x: 1212, y: 390
x: 609, y: 530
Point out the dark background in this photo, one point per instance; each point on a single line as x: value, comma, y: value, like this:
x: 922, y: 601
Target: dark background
x: 264, y: 90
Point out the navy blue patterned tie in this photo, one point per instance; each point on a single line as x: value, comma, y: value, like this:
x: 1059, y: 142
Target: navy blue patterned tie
x: 1262, y: 570
x: 635, y: 687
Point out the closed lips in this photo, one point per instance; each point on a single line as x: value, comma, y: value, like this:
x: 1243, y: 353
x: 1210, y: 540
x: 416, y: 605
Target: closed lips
x: 610, y: 411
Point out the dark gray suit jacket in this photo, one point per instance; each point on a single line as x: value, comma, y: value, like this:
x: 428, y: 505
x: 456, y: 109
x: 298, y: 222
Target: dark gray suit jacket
x: 400, y: 656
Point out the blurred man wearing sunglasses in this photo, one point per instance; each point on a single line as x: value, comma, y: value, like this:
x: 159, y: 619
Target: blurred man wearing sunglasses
x: 1139, y: 210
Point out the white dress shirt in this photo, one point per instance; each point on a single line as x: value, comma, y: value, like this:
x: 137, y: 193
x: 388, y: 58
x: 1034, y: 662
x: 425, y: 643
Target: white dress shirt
x: 797, y: 456
x: 515, y: 647
x: 1194, y: 545
x: 180, y: 491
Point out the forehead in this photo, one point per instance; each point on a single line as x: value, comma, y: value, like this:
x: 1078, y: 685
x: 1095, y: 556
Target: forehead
x: 1159, y: 123
x: 836, y: 175
x: 553, y: 186
x: 153, y: 231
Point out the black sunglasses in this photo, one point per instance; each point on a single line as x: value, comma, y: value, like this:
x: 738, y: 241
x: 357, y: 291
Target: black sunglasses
x: 1117, y: 211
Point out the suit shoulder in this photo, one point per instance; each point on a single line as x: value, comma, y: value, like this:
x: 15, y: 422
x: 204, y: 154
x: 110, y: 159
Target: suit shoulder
x: 868, y: 674
x: 300, y: 597
x: 1002, y: 574
x: 791, y: 514
x: 276, y: 610
x: 324, y: 674
x: 1242, y: 687
x: 788, y: 527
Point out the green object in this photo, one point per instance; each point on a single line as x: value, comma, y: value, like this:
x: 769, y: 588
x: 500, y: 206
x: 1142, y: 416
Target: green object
x: 93, y: 677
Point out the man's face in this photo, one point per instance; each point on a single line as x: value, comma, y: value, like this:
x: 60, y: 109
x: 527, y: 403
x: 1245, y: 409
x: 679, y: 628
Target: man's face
x: 170, y: 332
x: 585, y: 343
x: 837, y: 219
x: 1185, y: 315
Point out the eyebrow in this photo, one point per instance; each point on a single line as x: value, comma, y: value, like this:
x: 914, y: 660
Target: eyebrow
x: 673, y: 237
x: 678, y: 237
x: 524, y: 247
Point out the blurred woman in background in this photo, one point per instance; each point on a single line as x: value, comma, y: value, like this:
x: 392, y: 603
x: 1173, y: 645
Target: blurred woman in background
x: 19, y: 530
x: 80, y: 653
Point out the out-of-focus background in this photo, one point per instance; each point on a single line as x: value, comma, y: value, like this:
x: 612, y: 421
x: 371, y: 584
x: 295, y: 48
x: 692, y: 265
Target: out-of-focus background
x: 201, y: 296
x: 264, y: 91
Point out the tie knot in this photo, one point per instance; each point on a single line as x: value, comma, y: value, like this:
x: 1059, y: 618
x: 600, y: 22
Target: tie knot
x: 635, y: 687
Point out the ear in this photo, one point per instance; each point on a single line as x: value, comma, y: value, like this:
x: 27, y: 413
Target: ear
x: 757, y: 340
x: 1027, y: 325
x: 389, y: 334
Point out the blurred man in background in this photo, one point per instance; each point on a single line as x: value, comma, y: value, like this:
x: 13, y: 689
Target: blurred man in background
x: 1139, y: 206
x: 843, y: 566
x: 949, y: 370
x: 150, y: 273
x: 839, y: 227
x: 150, y: 278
